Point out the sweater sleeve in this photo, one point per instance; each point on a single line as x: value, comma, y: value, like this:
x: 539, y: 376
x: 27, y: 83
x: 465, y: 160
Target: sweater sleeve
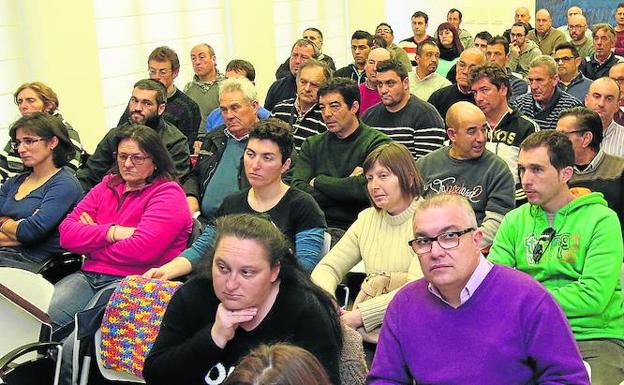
x: 200, y: 247
x: 61, y: 194
x: 349, y: 189
x: 78, y: 237
x: 156, y: 231
x: 390, y: 366
x: 503, y: 250
x: 308, y: 246
x: 335, y: 265
x: 303, y: 172
x: 184, y: 348
x: 591, y: 292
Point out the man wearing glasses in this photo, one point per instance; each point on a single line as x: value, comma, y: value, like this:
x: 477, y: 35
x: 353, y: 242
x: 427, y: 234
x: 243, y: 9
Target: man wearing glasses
x: 146, y: 106
x: 180, y: 109
x: 571, y: 80
x: 573, y: 246
x: 469, y: 321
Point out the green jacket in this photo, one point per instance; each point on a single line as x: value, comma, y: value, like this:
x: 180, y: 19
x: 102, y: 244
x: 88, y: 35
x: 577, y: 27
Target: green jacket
x: 581, y: 265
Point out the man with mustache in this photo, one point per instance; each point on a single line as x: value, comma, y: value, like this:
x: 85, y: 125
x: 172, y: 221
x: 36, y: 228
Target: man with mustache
x: 146, y: 106
x: 424, y: 80
x: 405, y: 118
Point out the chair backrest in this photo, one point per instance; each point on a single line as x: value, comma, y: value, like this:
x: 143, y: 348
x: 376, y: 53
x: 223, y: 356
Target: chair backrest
x: 24, y: 301
x: 130, y: 326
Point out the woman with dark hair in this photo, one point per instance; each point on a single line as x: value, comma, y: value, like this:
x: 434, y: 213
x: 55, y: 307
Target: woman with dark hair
x: 31, y: 98
x: 266, y: 158
x: 136, y: 218
x: 450, y: 47
x: 279, y: 364
x: 33, y: 203
x: 378, y: 237
x: 254, y: 293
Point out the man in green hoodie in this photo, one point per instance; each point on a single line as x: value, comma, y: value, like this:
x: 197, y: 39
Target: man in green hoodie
x: 573, y: 246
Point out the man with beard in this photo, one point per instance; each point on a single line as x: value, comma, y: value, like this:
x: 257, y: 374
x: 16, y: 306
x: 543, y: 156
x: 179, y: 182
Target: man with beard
x: 580, y: 36
x: 146, y: 107
x: 405, y: 118
x: 181, y: 110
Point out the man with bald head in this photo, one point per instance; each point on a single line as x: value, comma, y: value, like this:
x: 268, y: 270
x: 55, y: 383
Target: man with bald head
x: 204, y: 88
x: 545, y: 101
x: 603, y: 98
x: 424, y: 80
x: 467, y: 168
x: 368, y: 90
x: 580, y: 35
x: 617, y: 73
x: 445, y: 97
x: 572, y: 16
x: 521, y: 15
x: 546, y: 37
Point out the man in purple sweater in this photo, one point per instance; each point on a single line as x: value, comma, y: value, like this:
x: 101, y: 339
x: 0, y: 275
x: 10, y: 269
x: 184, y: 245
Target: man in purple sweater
x: 468, y: 321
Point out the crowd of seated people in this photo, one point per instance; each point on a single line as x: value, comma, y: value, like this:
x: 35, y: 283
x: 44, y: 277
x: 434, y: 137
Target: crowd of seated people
x: 457, y: 154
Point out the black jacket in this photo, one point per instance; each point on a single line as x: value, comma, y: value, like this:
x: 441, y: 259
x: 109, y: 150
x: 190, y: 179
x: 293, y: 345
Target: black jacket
x: 209, y: 157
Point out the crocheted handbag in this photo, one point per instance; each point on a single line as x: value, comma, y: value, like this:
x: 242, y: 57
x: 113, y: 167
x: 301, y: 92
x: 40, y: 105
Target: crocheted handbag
x: 132, y: 321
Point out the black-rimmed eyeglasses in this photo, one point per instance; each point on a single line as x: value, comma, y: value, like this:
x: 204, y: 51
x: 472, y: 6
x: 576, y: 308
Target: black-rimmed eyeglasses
x: 446, y: 240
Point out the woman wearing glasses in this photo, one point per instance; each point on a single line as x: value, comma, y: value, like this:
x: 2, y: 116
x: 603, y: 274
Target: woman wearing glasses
x: 135, y: 219
x: 30, y: 98
x: 33, y: 203
x: 379, y: 238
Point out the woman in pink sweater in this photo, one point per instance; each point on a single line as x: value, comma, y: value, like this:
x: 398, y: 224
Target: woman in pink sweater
x: 135, y: 219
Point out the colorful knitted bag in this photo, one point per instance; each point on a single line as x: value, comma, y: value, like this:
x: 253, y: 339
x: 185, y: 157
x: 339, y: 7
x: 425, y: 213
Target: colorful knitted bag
x: 132, y: 320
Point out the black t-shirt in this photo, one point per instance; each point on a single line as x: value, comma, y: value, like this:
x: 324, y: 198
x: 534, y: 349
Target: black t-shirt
x: 296, y: 211
x: 184, y: 352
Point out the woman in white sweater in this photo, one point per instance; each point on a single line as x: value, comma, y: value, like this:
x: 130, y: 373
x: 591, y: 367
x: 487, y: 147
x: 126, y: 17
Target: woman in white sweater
x: 379, y: 238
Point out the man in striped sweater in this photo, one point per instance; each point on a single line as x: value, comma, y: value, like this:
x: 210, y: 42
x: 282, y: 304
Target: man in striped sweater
x: 301, y: 112
x: 546, y: 101
x: 405, y: 118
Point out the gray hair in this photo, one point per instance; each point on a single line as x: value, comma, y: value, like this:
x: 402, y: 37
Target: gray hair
x: 444, y: 200
x: 239, y: 84
x: 546, y: 61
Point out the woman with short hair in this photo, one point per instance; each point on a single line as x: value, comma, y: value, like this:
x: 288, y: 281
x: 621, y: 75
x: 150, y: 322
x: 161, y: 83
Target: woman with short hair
x: 379, y: 238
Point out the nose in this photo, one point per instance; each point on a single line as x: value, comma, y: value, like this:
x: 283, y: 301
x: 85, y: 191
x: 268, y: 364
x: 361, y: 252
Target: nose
x: 255, y: 163
x: 128, y: 162
x: 231, y: 282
